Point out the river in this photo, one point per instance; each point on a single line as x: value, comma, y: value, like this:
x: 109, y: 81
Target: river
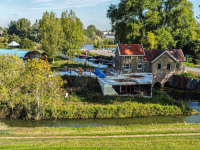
x: 83, y: 60
x: 102, y: 122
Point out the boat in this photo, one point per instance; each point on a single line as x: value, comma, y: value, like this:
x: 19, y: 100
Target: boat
x: 82, y: 56
x: 98, y: 60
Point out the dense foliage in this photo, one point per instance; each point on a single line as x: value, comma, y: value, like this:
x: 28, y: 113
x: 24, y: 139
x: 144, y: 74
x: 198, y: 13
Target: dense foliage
x: 51, y: 34
x: 72, y: 29
x: 161, y: 24
x: 28, y: 88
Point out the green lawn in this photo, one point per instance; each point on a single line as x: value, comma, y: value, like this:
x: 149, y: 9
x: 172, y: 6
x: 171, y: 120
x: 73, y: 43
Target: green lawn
x: 189, y: 64
x: 76, y: 137
x: 144, y: 143
x: 60, y: 63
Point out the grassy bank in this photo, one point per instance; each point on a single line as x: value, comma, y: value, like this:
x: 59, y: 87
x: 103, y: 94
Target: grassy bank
x: 189, y: 64
x: 148, y: 143
x: 119, y: 107
x: 60, y: 63
x: 122, y: 110
x: 74, y: 138
x: 190, y: 74
x: 103, y: 131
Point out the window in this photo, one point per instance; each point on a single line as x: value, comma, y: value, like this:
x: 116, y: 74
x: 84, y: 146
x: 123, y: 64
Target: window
x: 127, y: 67
x: 139, y: 66
x: 127, y: 57
x: 168, y: 66
x: 177, y: 66
x: 140, y: 57
x: 145, y: 68
x: 159, y: 67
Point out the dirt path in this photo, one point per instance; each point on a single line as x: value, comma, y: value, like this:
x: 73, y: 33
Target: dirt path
x: 196, y: 69
x: 95, y: 137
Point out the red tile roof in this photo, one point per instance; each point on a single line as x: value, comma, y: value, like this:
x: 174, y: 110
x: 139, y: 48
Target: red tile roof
x: 151, y: 55
x: 177, y: 53
x: 131, y: 49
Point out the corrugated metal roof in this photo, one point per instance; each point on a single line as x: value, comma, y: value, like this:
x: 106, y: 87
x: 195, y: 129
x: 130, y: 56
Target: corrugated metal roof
x: 20, y: 53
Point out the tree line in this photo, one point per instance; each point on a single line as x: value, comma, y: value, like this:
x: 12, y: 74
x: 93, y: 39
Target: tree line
x: 56, y: 35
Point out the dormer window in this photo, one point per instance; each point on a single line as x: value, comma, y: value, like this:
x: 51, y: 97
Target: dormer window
x: 140, y: 57
x: 127, y: 57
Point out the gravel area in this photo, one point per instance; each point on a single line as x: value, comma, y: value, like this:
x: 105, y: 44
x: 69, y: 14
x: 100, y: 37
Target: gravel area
x: 104, y: 52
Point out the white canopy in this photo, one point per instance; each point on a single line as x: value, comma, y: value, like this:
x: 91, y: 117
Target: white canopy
x: 13, y: 43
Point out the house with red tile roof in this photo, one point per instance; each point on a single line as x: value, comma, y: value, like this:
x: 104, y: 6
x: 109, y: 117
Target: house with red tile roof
x: 163, y: 64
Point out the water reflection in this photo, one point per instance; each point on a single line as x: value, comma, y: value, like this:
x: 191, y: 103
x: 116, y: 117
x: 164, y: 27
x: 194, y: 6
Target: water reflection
x: 194, y: 118
x: 95, y: 122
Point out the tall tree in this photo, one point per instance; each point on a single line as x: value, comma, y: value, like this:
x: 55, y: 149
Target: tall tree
x: 73, y: 33
x: 133, y: 20
x: 51, y: 34
x: 12, y: 28
x: 35, y: 32
x: 11, y: 79
x: 23, y: 27
x: 43, y: 87
x: 91, y: 31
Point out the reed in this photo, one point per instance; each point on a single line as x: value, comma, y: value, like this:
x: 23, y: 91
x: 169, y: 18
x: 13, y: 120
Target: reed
x: 122, y: 110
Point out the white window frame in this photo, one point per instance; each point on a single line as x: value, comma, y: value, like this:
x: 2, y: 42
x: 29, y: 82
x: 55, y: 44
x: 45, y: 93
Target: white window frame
x: 140, y: 64
x: 169, y: 67
x: 140, y: 57
x: 127, y: 58
x: 160, y: 67
x: 127, y: 67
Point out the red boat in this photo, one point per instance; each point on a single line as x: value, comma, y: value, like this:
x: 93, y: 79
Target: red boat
x: 83, y: 56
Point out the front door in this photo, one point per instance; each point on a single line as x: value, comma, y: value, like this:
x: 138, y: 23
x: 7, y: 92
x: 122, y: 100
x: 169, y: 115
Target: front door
x: 145, y: 67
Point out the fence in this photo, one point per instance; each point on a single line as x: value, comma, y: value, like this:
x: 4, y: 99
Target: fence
x: 185, y: 83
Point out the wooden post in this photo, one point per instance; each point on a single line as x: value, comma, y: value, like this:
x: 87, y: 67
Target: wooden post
x: 90, y: 72
x: 99, y: 65
x: 139, y: 88
x: 85, y: 66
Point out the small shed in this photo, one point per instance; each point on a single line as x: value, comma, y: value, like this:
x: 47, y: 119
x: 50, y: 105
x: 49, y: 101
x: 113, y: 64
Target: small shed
x: 23, y: 54
x: 13, y: 44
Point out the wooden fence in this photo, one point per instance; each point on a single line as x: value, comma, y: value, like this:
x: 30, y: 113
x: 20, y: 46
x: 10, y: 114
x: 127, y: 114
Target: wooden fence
x: 185, y: 83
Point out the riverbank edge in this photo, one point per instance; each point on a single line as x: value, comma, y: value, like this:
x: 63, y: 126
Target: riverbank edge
x: 100, y: 131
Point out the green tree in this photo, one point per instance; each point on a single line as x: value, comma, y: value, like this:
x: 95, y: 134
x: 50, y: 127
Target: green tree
x: 51, y: 34
x: 12, y: 28
x: 99, y: 33
x: 14, y: 37
x: 73, y: 33
x: 133, y: 20
x: 164, y: 39
x: 23, y: 27
x: 5, y: 32
x: 35, y: 32
x: 91, y: 31
x: 43, y: 87
x: 26, y: 43
x: 11, y: 70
